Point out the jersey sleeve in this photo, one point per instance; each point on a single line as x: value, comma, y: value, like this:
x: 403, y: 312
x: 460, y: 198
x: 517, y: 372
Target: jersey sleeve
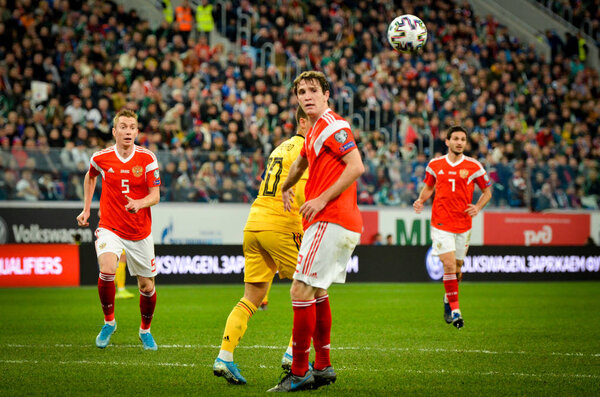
x: 341, y: 142
x: 95, y: 169
x: 152, y: 173
x: 303, y: 150
x: 429, y: 176
x: 481, y: 178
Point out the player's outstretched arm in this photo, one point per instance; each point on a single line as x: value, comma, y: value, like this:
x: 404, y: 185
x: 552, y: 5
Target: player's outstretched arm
x: 151, y: 199
x: 89, y: 185
x: 296, y: 171
x: 426, y: 192
x: 354, y: 169
x: 473, y: 209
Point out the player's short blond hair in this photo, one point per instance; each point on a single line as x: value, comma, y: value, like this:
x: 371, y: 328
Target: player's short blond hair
x: 124, y: 113
x: 311, y: 75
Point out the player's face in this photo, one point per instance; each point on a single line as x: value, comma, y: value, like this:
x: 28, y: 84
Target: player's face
x: 125, y: 131
x: 312, y: 98
x: 457, y: 142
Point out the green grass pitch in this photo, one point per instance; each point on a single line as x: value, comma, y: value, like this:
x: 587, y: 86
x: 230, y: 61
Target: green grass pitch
x: 387, y: 339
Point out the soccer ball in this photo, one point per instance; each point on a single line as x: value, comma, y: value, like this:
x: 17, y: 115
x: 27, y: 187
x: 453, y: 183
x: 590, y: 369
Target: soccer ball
x: 407, y: 33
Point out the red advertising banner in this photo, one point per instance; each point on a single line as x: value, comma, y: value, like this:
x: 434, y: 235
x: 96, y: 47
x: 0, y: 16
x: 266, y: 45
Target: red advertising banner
x: 39, y: 265
x: 370, y: 226
x: 535, y: 229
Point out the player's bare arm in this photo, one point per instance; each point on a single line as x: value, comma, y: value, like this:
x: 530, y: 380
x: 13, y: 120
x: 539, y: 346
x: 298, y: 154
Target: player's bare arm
x: 473, y: 209
x: 426, y: 192
x: 354, y: 169
x: 151, y: 199
x: 296, y: 171
x: 89, y: 185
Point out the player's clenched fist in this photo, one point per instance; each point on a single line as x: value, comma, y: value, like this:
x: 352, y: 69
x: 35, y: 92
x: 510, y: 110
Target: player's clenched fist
x: 82, y: 219
x: 418, y: 206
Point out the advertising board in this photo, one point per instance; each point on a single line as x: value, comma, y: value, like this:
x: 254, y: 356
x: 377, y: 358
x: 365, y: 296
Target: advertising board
x: 209, y: 264
x: 536, y: 229
x: 39, y: 265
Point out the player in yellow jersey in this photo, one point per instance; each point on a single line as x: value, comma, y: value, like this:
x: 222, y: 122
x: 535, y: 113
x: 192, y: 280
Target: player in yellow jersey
x: 272, y: 238
x: 122, y: 292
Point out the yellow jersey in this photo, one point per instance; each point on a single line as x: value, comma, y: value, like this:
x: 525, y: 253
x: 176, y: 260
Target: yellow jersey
x: 267, y: 213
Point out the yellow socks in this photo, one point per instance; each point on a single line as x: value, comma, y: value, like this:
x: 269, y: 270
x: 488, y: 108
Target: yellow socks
x: 120, y: 276
x: 237, y: 323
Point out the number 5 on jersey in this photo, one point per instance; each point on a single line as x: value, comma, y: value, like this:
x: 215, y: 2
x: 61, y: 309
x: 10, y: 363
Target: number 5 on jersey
x: 125, y: 186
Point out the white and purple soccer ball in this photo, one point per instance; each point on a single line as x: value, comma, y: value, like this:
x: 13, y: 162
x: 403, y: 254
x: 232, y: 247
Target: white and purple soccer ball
x: 407, y: 33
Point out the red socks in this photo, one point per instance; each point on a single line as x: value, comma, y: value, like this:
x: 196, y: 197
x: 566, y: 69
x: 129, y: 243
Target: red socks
x: 322, y: 334
x: 312, y: 320
x: 304, y: 327
x: 106, y: 290
x: 147, y: 305
x: 451, y: 286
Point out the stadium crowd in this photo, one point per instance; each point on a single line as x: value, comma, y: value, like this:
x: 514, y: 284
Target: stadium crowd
x: 213, y: 112
x: 583, y: 14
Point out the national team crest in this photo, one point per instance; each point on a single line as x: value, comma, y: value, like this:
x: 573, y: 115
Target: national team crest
x: 137, y: 171
x: 463, y: 173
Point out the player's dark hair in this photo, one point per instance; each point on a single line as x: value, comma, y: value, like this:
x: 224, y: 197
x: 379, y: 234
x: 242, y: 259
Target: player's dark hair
x: 456, y: 128
x: 124, y: 112
x: 311, y: 75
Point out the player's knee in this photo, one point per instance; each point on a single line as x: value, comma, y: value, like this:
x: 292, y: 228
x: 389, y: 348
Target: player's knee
x: 108, y: 267
x: 145, y: 285
x: 107, y: 263
x: 449, y: 266
x: 301, y: 291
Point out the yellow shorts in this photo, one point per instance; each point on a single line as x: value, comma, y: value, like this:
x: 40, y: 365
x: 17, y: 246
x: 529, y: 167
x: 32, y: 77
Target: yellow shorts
x: 267, y: 252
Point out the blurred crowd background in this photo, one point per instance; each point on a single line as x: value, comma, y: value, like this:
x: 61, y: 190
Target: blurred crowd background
x: 211, y: 86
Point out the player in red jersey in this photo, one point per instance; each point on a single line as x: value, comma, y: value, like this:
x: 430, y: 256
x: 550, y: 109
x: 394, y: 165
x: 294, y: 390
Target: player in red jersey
x: 130, y: 186
x: 332, y: 226
x: 453, y: 177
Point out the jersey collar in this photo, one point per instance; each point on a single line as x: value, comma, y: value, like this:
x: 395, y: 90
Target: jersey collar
x: 328, y: 110
x: 124, y: 160
x: 462, y: 158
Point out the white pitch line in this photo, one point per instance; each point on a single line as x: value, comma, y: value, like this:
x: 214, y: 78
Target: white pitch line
x: 137, y: 363
x: 363, y: 348
x: 262, y: 366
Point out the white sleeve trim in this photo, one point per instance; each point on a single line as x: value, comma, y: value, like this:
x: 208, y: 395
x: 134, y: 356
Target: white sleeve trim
x: 476, y: 175
x: 430, y: 171
x: 97, y: 167
x: 152, y: 166
x: 329, y: 131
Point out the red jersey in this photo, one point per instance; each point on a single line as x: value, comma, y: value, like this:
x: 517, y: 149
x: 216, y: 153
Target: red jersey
x: 454, y: 185
x: 329, y: 139
x: 133, y: 177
